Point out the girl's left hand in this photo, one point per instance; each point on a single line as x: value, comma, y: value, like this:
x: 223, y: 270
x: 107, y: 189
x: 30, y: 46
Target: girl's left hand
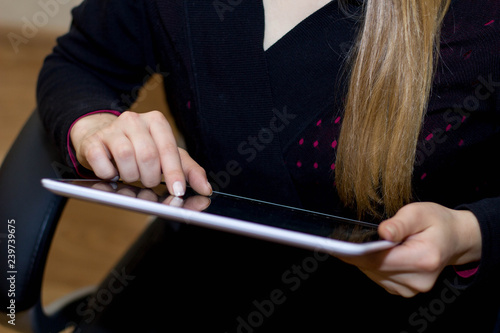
x: 431, y: 237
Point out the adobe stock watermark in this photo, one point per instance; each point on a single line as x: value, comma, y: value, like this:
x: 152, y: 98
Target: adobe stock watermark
x: 292, y: 279
x: 11, y: 272
x: 223, y: 6
x: 252, y: 146
x: 95, y: 303
x: 455, y: 117
x: 31, y: 26
x: 429, y: 313
x: 62, y: 171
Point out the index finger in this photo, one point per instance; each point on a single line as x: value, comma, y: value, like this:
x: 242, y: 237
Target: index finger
x: 170, y: 160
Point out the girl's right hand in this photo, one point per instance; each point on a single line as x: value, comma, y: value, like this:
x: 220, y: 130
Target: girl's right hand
x: 136, y: 146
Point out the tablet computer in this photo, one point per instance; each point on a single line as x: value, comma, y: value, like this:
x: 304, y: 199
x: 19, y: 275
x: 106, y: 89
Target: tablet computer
x: 230, y: 213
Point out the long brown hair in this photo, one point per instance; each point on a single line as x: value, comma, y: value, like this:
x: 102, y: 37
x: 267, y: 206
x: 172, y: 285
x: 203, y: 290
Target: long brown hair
x: 390, y: 77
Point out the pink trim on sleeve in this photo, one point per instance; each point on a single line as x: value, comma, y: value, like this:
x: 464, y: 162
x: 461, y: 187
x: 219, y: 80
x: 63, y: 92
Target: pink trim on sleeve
x: 466, y: 273
x: 68, y: 139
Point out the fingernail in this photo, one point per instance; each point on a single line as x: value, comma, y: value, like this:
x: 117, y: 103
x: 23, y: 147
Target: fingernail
x: 390, y: 230
x: 176, y: 202
x: 178, y: 189
x: 210, y: 188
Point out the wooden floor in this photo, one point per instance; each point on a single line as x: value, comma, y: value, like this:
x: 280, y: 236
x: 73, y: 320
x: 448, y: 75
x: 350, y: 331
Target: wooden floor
x: 90, y: 238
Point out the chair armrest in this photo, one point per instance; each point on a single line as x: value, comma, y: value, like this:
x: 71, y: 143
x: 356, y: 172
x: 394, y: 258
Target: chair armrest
x: 33, y: 213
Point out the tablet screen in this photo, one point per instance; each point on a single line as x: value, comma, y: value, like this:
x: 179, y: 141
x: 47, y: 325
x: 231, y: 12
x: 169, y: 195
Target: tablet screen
x: 246, y: 209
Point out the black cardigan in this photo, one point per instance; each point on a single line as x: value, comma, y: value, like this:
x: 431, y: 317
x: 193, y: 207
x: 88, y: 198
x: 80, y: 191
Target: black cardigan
x: 264, y: 124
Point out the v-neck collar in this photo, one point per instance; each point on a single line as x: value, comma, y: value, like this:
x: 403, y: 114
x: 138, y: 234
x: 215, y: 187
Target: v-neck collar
x: 298, y: 27
x: 305, y: 68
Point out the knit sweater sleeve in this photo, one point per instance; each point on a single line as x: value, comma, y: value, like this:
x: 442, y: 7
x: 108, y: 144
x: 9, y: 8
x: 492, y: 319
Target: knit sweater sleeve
x: 487, y: 211
x: 100, y: 64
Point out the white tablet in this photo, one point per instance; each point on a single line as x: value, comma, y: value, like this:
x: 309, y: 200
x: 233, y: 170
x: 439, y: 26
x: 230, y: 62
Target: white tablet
x: 230, y: 213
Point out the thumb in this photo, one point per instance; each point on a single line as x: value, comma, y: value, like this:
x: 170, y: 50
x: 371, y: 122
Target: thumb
x: 402, y: 225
